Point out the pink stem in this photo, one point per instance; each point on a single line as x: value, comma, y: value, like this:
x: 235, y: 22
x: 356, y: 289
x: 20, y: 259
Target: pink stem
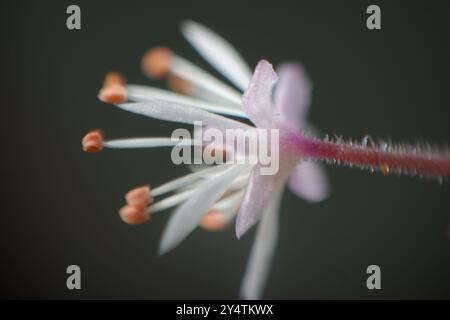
x: 393, y: 160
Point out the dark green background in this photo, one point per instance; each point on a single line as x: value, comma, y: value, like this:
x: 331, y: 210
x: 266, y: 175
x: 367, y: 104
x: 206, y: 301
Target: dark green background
x: 59, y: 205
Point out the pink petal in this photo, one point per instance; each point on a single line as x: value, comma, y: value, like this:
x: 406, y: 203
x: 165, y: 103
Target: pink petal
x: 293, y: 93
x: 263, y: 249
x: 309, y: 181
x: 257, y: 98
x: 257, y: 197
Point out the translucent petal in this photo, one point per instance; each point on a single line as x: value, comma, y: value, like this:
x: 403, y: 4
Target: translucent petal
x: 218, y: 52
x: 257, y: 99
x: 293, y: 93
x: 258, y: 196
x: 309, y: 181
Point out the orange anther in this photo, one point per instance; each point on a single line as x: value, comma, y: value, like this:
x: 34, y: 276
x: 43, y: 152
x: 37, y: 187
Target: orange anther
x: 113, y: 94
x: 179, y: 85
x: 93, y: 141
x: 214, y: 221
x: 156, y: 62
x: 134, y: 214
x: 140, y: 196
x: 114, y: 78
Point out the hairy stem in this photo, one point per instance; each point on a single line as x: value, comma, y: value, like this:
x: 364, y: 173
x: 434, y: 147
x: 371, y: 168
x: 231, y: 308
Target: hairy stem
x: 402, y: 159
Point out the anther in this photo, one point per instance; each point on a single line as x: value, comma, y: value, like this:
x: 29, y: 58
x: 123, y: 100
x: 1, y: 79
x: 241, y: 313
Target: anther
x: 156, y: 62
x: 113, y: 90
x: 93, y: 141
x: 214, y: 221
x: 140, y: 196
x: 134, y: 214
x: 179, y: 85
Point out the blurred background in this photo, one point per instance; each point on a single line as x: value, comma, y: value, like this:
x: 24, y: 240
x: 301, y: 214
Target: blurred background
x: 59, y: 205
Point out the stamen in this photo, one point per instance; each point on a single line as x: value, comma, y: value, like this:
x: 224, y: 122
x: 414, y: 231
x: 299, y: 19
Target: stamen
x: 221, y: 214
x: 93, y: 141
x: 231, y: 202
x: 182, y: 113
x: 224, y: 205
x: 145, y: 143
x: 134, y: 214
x: 147, y: 94
x: 171, y: 201
x: 186, y: 180
x: 156, y: 62
x: 187, y: 216
x: 192, y: 73
x: 179, y: 85
x: 113, y: 90
x: 159, y: 62
x: 114, y: 78
x: 139, y: 197
x: 214, y: 221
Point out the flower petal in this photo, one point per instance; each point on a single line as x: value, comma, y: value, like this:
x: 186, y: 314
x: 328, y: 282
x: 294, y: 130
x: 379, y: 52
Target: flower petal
x: 140, y: 93
x: 186, y: 218
x: 179, y: 112
x: 262, y: 251
x: 309, y: 181
x: 218, y: 52
x: 186, y: 180
x: 257, y: 197
x: 198, y: 77
x: 257, y: 98
x: 293, y: 93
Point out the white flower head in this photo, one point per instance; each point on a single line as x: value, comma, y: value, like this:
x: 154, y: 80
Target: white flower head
x: 212, y: 196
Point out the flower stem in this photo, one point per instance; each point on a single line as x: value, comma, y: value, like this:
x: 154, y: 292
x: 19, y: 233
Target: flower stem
x: 401, y: 159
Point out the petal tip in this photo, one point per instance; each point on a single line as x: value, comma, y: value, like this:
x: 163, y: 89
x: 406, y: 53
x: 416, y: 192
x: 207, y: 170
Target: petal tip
x: 166, y: 245
x: 264, y: 63
x: 186, y: 23
x: 241, y: 228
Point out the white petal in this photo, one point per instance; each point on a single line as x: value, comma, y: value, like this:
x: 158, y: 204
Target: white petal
x: 185, y: 180
x: 186, y: 218
x: 262, y: 251
x: 177, y: 112
x: 218, y: 52
x: 171, y: 201
x: 191, y: 73
x: 144, y: 94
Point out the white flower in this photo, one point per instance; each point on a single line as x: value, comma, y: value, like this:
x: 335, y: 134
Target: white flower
x: 214, y: 195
